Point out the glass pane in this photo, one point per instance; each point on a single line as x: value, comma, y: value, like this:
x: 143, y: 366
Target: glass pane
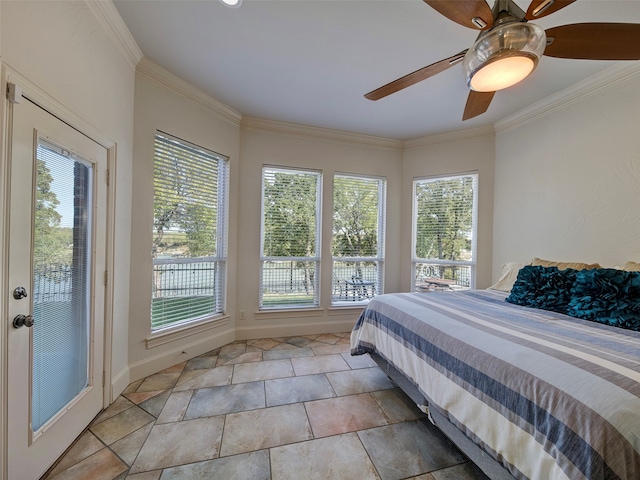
x: 354, y: 281
x: 288, y: 283
x: 439, y: 277
x: 61, y: 281
x: 188, y: 246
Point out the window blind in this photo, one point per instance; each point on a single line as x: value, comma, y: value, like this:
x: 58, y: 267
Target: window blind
x: 358, y: 237
x: 189, y: 254
x: 290, y: 233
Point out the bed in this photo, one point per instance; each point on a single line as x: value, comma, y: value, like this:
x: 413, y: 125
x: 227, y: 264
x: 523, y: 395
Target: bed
x: 525, y: 393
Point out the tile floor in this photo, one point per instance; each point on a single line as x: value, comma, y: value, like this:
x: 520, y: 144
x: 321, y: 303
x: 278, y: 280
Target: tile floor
x: 275, y: 408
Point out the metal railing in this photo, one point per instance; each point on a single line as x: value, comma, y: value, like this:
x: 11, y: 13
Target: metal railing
x: 52, y: 283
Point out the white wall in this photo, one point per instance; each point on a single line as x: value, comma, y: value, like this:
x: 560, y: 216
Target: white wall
x: 278, y: 144
x: 64, y: 50
x: 165, y: 102
x: 457, y: 152
x: 567, y: 183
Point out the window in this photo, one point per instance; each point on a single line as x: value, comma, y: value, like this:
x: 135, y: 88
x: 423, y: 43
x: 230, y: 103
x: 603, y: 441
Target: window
x: 290, y: 233
x: 358, y: 238
x: 189, y: 255
x: 444, y: 232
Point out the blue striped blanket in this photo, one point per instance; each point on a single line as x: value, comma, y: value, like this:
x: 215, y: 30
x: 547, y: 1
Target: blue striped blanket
x: 546, y: 395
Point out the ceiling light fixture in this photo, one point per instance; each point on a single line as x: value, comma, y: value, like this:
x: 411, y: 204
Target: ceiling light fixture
x: 231, y: 3
x: 503, y: 56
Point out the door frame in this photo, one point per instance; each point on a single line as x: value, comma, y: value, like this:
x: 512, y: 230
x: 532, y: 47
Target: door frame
x: 46, y: 101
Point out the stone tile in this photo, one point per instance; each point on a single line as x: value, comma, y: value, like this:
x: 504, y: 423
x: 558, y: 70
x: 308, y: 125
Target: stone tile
x: 330, y: 349
x: 284, y: 346
x: 233, y: 348
x: 84, y: 447
x: 213, y: 378
x: 127, y: 448
x: 334, y: 416
x: 155, y: 404
x: 201, y: 363
x: 190, y: 375
x: 264, y: 343
x: 139, y: 397
x: 179, y: 443
x: 247, y: 357
x: 297, y: 389
x: 287, y: 353
x: 328, y: 338
x: 298, y: 341
x: 358, y: 361
x: 338, y: 458
x: 132, y: 387
x: 159, y: 381
x: 408, y: 449
x: 102, y: 465
x: 211, y: 353
x: 265, y: 428
x: 359, y: 381
x: 175, y: 369
x: 175, y: 407
x: 121, y: 425
x: 247, y: 466
x: 318, y: 364
x: 465, y: 471
x: 155, y: 475
x: 266, y: 370
x: 120, y: 405
x: 397, y: 405
x: 208, y: 402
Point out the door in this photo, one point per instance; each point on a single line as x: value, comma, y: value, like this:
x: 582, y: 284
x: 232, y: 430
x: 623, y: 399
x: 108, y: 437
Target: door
x: 57, y: 221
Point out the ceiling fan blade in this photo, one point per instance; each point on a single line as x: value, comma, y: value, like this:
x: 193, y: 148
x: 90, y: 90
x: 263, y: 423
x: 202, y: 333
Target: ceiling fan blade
x: 415, y: 77
x: 595, y: 41
x: 477, y: 104
x: 474, y: 14
x: 542, y: 8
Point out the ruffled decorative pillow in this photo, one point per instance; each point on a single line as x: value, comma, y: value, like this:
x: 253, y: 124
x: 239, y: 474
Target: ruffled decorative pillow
x: 607, y: 296
x: 547, y: 288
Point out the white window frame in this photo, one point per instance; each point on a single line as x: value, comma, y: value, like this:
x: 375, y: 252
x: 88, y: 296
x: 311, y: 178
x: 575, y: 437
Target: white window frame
x: 311, y: 259
x: 415, y: 261
x: 356, y: 291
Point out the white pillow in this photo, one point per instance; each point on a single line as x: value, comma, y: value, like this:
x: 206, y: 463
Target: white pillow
x: 507, y: 277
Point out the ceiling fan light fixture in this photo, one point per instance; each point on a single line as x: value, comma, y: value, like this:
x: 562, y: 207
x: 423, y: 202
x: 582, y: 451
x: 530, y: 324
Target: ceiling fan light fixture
x: 503, y: 56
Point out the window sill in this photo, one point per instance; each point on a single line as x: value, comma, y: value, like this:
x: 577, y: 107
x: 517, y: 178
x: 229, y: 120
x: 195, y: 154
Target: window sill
x: 289, y: 313
x: 346, y: 309
x: 192, y: 328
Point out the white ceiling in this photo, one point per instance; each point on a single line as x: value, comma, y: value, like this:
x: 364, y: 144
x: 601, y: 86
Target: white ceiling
x: 310, y: 62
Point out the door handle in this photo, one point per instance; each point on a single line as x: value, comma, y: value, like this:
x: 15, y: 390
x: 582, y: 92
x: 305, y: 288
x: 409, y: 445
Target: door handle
x: 22, y: 321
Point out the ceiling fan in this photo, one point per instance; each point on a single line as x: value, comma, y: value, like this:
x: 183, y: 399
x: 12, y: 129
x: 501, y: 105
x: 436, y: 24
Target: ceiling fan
x: 508, y: 47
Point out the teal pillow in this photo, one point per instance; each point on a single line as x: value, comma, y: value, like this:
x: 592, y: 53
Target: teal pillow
x: 607, y: 295
x: 547, y: 288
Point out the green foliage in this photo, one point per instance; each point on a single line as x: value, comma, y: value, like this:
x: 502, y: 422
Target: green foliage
x: 444, y: 218
x: 355, y: 217
x: 184, y: 208
x: 290, y: 204
x: 52, y: 243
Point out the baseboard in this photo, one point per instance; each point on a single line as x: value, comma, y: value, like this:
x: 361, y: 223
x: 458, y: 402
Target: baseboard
x: 118, y: 383
x: 289, y: 330
x: 169, y: 358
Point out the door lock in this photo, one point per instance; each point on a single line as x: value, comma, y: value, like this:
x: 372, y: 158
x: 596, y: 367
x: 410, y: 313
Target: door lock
x: 19, y: 293
x: 23, y: 321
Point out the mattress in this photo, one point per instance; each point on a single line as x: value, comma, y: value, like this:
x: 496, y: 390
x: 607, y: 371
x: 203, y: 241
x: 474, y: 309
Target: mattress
x: 546, y: 395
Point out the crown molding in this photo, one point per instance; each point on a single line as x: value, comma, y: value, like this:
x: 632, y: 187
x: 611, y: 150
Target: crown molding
x: 318, y: 133
x: 107, y: 15
x: 449, y: 137
x: 602, y: 80
x: 172, y: 82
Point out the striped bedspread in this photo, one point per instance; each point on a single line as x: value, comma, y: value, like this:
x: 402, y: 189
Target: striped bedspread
x: 547, y: 395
